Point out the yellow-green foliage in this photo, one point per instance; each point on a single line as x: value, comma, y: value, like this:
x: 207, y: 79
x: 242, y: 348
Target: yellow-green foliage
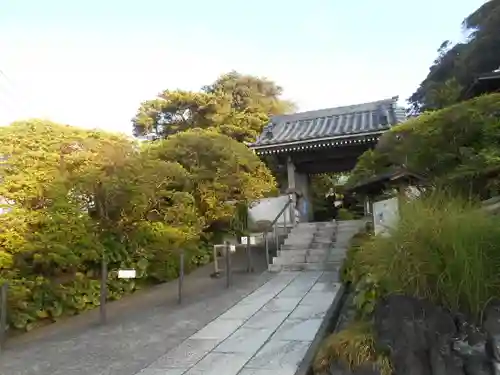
x: 221, y: 170
x: 443, y: 249
x: 353, y: 347
x: 349, y: 272
x: 74, y: 196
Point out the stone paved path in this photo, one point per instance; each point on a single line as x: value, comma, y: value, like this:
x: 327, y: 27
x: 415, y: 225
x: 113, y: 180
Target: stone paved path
x: 262, y: 325
x: 267, y: 332
x: 141, y: 328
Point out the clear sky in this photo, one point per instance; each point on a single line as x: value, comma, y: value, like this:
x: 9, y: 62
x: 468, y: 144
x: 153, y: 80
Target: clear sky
x: 91, y: 62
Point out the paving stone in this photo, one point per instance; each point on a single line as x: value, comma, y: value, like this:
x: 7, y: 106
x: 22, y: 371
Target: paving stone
x: 170, y: 371
x: 321, y: 286
x: 218, y: 329
x: 294, y: 291
x: 186, y: 354
x: 220, y: 364
x: 280, y: 355
x: 313, y: 298
x: 267, y: 319
x: 309, y: 311
x: 258, y: 299
x: 245, y: 340
x: 298, y: 330
x: 282, y: 304
x: 243, y: 310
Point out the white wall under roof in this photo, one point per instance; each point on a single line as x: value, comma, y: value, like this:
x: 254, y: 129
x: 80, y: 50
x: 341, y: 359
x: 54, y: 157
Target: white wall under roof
x: 268, y: 208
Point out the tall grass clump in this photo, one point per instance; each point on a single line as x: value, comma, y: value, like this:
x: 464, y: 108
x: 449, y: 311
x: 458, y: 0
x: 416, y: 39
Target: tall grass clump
x: 444, y: 249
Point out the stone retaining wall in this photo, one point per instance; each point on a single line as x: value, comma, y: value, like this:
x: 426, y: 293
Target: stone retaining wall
x: 423, y: 339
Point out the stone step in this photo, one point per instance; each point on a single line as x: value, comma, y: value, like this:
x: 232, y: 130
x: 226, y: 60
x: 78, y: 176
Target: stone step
x: 320, y: 245
x: 324, y: 235
x: 306, y: 226
x: 330, y: 266
x: 316, y: 258
x: 295, y: 236
x: 302, y: 231
x: 286, y: 247
x: 297, y: 244
x: 323, y: 239
x: 283, y: 261
x: 303, y: 252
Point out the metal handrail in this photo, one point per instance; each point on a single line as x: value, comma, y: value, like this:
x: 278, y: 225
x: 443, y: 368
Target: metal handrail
x: 273, y: 224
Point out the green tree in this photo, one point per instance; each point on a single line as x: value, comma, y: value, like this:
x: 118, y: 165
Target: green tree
x: 247, y: 93
x: 74, y: 196
x: 222, y: 171
x: 455, y: 147
x: 235, y: 105
x: 178, y: 110
x: 458, y: 64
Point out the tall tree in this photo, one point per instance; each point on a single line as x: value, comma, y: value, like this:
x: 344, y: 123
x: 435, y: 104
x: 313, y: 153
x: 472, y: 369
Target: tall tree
x: 458, y: 64
x: 235, y: 105
x: 222, y: 171
x: 247, y: 93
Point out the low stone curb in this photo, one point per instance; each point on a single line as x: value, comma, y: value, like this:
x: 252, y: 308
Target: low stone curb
x: 329, y: 321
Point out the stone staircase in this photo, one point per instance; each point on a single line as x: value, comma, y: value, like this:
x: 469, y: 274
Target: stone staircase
x: 316, y: 246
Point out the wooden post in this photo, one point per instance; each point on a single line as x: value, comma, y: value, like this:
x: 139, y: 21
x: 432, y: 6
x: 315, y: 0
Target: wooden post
x: 266, y: 241
x: 276, y: 237
x: 3, y: 314
x: 249, y: 255
x: 104, y: 290
x: 181, y: 276
x: 228, y: 264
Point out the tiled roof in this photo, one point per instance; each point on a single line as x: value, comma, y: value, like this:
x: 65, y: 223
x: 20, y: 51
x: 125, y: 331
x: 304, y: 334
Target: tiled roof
x: 331, y: 123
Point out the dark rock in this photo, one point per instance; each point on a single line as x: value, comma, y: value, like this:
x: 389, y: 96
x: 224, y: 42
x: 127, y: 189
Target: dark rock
x: 477, y: 367
x: 491, y: 324
x: 408, y: 329
x: 444, y: 362
x: 493, y: 347
x: 491, y: 318
x: 423, y: 339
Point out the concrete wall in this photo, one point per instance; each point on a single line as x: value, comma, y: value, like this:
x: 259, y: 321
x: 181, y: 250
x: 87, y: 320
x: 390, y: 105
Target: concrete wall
x: 268, y: 208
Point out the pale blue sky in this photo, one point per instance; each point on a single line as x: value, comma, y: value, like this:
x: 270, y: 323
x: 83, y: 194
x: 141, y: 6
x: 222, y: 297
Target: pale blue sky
x: 90, y: 63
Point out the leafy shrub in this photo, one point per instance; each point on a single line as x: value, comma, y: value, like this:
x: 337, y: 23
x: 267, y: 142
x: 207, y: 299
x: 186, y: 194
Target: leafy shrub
x: 75, y: 196
x: 350, y: 272
x: 353, y: 347
x: 367, y: 290
x: 443, y: 249
x: 344, y: 214
x: 455, y: 147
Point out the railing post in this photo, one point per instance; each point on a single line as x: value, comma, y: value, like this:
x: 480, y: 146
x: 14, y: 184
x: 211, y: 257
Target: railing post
x: 3, y: 314
x: 181, y: 275
x: 249, y: 255
x: 104, y: 289
x: 291, y: 207
x: 276, y: 237
x: 216, y: 262
x: 284, y: 223
x: 228, y: 265
x: 266, y: 242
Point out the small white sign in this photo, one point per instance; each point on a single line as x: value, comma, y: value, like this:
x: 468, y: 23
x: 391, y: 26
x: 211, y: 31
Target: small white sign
x: 126, y: 274
x: 244, y: 240
x: 252, y: 240
x: 232, y: 248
